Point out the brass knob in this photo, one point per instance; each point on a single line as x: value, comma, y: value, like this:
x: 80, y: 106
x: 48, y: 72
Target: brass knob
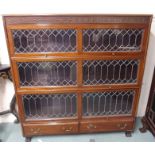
x: 45, y: 55
x: 91, y: 126
x: 35, y: 131
x: 122, y: 126
x: 67, y: 129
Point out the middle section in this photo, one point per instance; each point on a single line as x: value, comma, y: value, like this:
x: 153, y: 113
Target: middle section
x: 66, y: 73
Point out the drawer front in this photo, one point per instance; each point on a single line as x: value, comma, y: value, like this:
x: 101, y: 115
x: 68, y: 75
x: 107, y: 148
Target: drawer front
x: 101, y: 126
x: 100, y: 72
x: 108, y: 103
x: 49, y: 106
x: 61, y: 73
x: 44, y: 40
x: 51, y: 128
x: 116, y: 40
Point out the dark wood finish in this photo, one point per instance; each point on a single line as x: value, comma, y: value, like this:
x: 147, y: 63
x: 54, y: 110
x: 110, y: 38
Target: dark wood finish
x: 148, y: 123
x: 79, y: 124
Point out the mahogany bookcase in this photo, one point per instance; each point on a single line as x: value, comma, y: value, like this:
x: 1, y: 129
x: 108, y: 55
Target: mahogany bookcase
x: 77, y: 73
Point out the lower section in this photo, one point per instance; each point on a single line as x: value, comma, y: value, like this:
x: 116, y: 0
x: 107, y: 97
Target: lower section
x: 74, y: 127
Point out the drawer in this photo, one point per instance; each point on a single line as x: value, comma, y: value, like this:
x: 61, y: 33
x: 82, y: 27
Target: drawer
x: 50, y: 128
x: 101, y: 126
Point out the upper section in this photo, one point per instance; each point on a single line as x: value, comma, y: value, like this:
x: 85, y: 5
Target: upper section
x: 82, y: 34
x: 77, y: 50
x: 76, y: 19
x: 65, y: 40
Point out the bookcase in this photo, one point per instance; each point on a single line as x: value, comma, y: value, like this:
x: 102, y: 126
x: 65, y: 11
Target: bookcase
x: 77, y: 73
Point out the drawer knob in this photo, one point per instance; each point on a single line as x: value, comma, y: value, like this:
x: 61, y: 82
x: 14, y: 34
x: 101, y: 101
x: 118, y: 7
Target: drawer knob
x: 67, y: 129
x: 91, y: 126
x: 35, y: 131
x: 122, y: 126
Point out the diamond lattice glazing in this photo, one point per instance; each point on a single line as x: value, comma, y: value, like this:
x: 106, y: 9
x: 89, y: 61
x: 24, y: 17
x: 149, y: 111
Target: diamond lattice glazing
x: 108, y: 103
x: 44, y: 40
x: 98, y: 72
x: 47, y: 73
x: 50, y: 106
x: 101, y: 40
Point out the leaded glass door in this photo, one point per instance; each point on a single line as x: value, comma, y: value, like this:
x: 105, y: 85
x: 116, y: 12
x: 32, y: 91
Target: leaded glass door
x: 115, y: 40
x: 100, y: 72
x: 44, y: 40
x: 50, y: 106
x: 111, y: 103
x: 49, y: 73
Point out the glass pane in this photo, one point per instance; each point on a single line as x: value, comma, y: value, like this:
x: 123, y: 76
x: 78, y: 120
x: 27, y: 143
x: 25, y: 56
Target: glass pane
x: 44, y: 40
x: 47, y: 73
x: 112, y: 39
x: 108, y: 103
x: 99, y: 72
x: 50, y: 106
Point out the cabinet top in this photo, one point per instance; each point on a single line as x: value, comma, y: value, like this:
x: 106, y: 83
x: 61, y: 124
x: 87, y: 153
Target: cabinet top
x: 77, y: 19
